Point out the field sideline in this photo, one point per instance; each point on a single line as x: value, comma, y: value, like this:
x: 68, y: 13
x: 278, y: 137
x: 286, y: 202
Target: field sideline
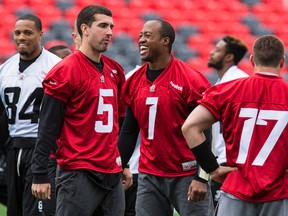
x: 3, y: 211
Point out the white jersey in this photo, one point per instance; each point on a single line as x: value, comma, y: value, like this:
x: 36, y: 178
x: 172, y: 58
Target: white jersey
x: 218, y: 146
x: 134, y: 160
x: 21, y: 93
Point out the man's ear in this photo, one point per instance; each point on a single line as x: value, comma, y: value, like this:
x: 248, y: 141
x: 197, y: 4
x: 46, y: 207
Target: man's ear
x: 166, y: 41
x: 252, y: 60
x: 282, y: 63
x: 229, y: 57
x: 84, y: 28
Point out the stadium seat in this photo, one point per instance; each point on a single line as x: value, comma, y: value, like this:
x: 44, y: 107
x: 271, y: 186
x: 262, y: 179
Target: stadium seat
x: 237, y: 28
x: 184, y: 53
x: 49, y: 15
x: 251, y: 2
x: 150, y: 15
x: 8, y: 21
x: 14, y: 4
x: 246, y: 66
x: 24, y: 10
x: 70, y: 14
x: 262, y: 30
x: 83, y: 3
x: 185, y: 30
x: 7, y: 48
x: 251, y: 21
x: 200, y: 64
x: 63, y: 5
x: 198, y: 23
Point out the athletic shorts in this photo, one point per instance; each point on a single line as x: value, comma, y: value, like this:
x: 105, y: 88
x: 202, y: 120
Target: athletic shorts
x: 230, y: 205
x: 159, y: 196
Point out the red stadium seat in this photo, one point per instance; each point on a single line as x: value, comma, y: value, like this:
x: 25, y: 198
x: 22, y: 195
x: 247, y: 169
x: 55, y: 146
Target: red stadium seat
x: 49, y: 15
x: 71, y: 14
x: 246, y: 66
x: 14, y: 3
x: 83, y: 3
x: 200, y: 64
x: 237, y: 28
x: 7, y: 48
x: 188, y: 5
x: 8, y: 21
x: 212, y: 18
x: 37, y: 3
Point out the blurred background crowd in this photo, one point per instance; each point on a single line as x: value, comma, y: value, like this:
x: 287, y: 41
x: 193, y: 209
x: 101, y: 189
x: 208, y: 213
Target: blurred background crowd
x: 198, y: 24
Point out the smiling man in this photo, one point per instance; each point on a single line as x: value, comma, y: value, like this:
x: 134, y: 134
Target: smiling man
x: 159, y: 96
x: 21, y: 93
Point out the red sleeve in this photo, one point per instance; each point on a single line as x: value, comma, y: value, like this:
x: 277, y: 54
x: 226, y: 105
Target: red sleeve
x: 56, y: 83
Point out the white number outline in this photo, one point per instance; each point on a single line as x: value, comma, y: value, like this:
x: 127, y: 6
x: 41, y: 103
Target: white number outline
x: 102, y: 107
x: 152, y: 115
x: 280, y: 116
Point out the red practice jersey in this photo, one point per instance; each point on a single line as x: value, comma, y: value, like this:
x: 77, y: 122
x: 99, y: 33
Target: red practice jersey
x: 161, y: 108
x: 89, y: 135
x: 254, y: 115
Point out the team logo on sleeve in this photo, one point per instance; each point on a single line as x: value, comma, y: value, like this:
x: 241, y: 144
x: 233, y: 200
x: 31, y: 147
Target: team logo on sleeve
x: 180, y: 88
x: 118, y: 161
x: 21, y: 76
x: 189, y: 165
x: 102, y: 79
x: 152, y: 88
x: 53, y: 82
x: 114, y: 71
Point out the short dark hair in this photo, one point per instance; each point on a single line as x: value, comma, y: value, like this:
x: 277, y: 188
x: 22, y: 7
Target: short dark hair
x: 86, y: 15
x: 37, y: 21
x: 167, y: 30
x: 268, y: 51
x: 53, y: 49
x: 236, y: 47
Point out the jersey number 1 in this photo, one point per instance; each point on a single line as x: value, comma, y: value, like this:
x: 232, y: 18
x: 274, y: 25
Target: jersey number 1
x: 152, y: 115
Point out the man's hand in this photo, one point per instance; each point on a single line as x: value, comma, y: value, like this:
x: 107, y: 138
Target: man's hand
x: 127, y: 178
x: 197, y: 191
x: 221, y: 172
x: 41, y: 191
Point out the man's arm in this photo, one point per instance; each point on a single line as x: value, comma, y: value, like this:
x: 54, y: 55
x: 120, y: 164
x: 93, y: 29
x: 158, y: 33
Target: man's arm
x: 198, y: 187
x: 4, y: 133
x: 128, y: 137
x: 51, y: 120
x: 193, y: 130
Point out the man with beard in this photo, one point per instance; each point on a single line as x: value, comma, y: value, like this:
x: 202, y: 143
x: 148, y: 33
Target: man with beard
x: 254, y: 114
x: 224, y: 58
x: 21, y: 93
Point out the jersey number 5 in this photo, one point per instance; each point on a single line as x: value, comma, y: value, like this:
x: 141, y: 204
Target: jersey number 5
x: 102, y: 107
x: 255, y: 118
x: 12, y: 95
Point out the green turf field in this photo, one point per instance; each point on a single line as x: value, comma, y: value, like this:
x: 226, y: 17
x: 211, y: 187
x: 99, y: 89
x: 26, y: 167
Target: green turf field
x: 2, y: 210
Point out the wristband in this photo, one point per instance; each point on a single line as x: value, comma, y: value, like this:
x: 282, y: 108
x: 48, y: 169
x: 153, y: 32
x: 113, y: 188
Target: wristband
x: 205, y: 157
x: 197, y: 178
x: 201, y: 175
x: 127, y: 166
